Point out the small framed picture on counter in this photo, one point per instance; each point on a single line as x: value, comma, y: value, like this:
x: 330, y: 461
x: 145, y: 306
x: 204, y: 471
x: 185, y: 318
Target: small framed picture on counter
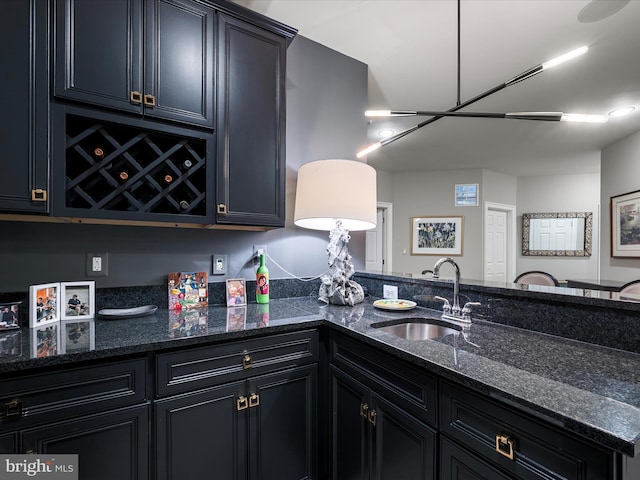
x: 44, y: 300
x: 236, y: 292
x: 78, y: 299
x: 10, y: 314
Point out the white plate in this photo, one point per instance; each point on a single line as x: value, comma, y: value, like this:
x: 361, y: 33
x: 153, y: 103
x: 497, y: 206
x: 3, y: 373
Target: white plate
x: 127, y: 312
x: 394, y: 304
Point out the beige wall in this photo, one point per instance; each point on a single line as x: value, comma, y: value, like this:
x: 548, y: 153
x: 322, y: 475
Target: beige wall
x: 620, y: 175
x: 560, y: 193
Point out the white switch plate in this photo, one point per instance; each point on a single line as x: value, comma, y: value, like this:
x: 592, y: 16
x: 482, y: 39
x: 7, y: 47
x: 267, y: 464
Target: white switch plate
x: 390, y: 291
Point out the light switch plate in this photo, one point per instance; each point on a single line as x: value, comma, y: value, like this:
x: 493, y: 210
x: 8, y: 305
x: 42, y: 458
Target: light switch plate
x: 390, y: 291
x: 219, y: 264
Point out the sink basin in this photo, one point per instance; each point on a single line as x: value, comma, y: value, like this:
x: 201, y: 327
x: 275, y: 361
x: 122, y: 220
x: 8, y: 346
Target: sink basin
x: 416, y: 328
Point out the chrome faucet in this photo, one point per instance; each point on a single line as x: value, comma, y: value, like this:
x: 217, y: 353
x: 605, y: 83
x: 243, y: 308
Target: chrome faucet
x: 453, y: 312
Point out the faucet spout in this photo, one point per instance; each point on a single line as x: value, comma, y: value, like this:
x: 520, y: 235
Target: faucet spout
x: 455, y: 308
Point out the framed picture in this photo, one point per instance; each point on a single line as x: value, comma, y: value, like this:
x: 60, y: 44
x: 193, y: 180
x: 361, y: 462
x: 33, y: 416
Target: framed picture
x: 77, y: 335
x: 466, y: 195
x: 45, y: 340
x: 625, y: 225
x: 188, y: 290
x: 45, y: 304
x: 78, y: 299
x: 236, y: 318
x: 436, y: 235
x: 236, y: 292
x: 10, y: 314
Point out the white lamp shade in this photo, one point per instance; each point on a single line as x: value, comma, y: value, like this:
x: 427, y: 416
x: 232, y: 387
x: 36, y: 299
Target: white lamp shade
x: 330, y: 190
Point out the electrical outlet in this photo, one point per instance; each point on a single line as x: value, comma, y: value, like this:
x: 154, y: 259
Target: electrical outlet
x: 97, y: 264
x: 257, y: 250
x: 389, y: 291
x: 219, y: 264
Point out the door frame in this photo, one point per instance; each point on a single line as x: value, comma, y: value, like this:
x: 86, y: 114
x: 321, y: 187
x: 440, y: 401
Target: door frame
x: 510, y: 210
x: 387, y: 235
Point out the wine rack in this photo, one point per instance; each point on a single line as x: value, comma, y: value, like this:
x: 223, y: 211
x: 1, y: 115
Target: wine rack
x: 122, y: 168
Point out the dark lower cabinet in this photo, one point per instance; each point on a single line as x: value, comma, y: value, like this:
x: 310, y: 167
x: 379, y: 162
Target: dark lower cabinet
x: 202, y: 435
x: 262, y: 428
x: 374, y: 439
x: 109, y: 445
x: 458, y: 464
x: 24, y: 96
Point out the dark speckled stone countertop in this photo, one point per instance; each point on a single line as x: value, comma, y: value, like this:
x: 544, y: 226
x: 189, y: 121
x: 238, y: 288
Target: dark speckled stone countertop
x: 588, y: 389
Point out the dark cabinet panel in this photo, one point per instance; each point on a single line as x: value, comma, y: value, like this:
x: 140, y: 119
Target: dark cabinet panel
x: 24, y: 96
x: 143, y: 56
x: 250, y: 125
x: 201, y: 433
x: 283, y: 427
x: 350, y: 448
x: 99, y: 51
x: 517, y: 443
x: 179, y: 59
x: 373, y: 438
x: 110, y: 445
x: 458, y: 464
x: 404, y: 446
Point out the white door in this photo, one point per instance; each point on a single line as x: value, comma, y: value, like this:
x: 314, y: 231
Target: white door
x: 373, y: 248
x: 496, y: 234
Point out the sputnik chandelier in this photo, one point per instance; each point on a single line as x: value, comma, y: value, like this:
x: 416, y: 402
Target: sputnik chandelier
x: 454, y: 111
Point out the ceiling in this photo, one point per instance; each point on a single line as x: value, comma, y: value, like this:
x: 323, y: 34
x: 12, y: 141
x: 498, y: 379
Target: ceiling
x: 411, y: 50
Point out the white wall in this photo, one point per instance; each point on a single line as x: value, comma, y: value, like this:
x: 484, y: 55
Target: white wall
x: 431, y: 193
x: 560, y: 193
x: 620, y: 175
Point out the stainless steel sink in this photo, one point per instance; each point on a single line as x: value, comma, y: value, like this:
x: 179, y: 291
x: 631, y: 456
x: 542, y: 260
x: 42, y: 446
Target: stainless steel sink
x: 416, y: 328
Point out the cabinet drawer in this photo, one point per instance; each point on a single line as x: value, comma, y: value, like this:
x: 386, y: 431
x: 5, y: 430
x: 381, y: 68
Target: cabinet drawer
x: 538, y: 450
x: 406, y: 385
x: 38, y: 398
x: 196, y: 368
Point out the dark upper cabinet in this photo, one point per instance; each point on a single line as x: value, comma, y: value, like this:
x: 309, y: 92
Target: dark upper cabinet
x: 250, y: 124
x: 152, y: 57
x: 24, y: 161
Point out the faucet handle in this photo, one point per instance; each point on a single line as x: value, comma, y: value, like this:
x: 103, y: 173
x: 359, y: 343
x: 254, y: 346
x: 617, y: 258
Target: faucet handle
x: 446, y: 308
x: 466, y: 310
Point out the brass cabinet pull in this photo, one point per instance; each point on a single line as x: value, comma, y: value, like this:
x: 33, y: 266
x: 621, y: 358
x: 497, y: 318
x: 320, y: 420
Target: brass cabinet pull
x: 254, y: 400
x: 38, y: 195
x: 135, y: 97
x: 372, y: 417
x: 13, y: 408
x: 247, y: 362
x: 242, y: 403
x: 363, y: 410
x: 222, y: 208
x: 149, y: 100
x: 505, y: 446
x: 31, y: 452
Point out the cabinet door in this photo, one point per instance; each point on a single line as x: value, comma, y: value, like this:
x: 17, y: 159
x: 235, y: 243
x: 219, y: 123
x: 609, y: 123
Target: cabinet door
x: 9, y: 442
x: 349, y: 438
x: 404, y: 446
x: 202, y: 435
x: 250, y: 125
x: 109, y: 446
x: 24, y: 157
x: 98, y: 52
x: 283, y: 424
x: 179, y: 59
x: 458, y: 464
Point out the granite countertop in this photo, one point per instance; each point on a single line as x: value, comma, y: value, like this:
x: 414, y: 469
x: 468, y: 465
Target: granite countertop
x: 588, y: 389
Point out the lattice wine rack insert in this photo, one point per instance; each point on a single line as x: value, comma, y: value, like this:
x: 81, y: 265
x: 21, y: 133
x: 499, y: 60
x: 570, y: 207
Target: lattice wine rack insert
x: 122, y: 168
